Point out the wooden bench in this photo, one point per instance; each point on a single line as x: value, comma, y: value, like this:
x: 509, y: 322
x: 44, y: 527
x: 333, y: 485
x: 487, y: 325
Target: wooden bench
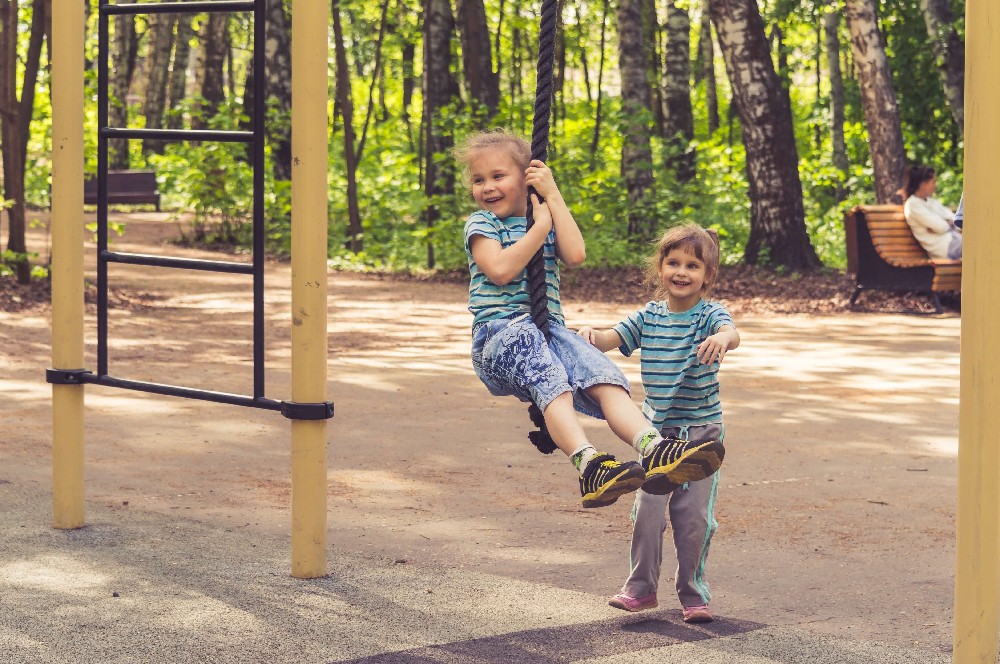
x: 883, y: 255
x: 125, y: 187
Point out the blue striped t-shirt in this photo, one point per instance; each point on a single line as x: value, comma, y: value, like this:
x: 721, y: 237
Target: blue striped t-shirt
x: 680, y: 390
x: 487, y: 300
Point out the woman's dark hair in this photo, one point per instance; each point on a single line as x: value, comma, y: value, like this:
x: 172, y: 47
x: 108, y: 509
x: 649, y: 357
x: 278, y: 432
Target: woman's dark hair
x: 916, y: 176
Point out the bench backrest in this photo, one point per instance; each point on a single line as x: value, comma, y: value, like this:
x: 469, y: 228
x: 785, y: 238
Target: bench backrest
x: 125, y: 182
x: 886, y: 228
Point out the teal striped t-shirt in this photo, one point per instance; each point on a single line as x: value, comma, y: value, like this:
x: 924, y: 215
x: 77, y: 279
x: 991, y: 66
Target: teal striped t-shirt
x: 680, y: 390
x: 487, y: 300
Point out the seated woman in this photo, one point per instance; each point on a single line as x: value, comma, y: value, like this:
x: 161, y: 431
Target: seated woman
x: 931, y: 221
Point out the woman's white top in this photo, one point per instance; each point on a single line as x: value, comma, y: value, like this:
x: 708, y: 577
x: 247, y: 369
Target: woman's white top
x: 930, y: 220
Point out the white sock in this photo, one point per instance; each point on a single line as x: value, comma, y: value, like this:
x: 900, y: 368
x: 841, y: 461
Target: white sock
x: 582, y: 456
x: 644, y: 440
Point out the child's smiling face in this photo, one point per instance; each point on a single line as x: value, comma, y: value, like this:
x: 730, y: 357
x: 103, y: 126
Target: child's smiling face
x: 683, y: 276
x: 498, y: 184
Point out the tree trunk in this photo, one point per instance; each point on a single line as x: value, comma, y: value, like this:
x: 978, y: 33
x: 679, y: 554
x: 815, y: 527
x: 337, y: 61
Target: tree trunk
x: 161, y: 40
x: 637, y: 156
x: 439, y: 88
x: 15, y: 118
x: 409, y: 84
x: 355, y: 239
x: 706, y: 53
x: 651, y: 44
x: 878, y: 97
x: 378, y: 82
x: 777, y: 221
x: 477, y: 59
x: 177, y: 88
x: 122, y: 47
x: 596, y: 140
x: 678, y: 121
x: 582, y: 51
x: 831, y: 25
x: 558, y: 109
x: 278, y: 55
x: 949, y: 51
x: 213, y: 91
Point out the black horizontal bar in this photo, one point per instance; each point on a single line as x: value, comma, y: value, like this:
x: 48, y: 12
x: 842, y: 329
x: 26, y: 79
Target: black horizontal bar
x: 183, y: 263
x: 179, y: 134
x: 178, y: 7
x: 185, y: 392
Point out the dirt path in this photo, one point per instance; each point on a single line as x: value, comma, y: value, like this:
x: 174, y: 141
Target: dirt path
x: 836, y: 505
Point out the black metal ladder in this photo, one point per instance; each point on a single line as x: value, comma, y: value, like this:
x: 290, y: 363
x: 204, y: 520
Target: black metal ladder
x: 255, y: 138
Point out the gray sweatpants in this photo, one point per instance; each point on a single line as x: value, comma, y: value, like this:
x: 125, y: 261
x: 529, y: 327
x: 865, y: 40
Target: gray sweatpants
x: 692, y: 520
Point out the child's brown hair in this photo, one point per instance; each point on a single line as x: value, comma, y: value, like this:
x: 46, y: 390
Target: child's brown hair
x: 491, y: 139
x: 704, y: 244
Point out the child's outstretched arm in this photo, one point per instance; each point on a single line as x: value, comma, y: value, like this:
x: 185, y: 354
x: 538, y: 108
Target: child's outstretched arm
x: 570, y: 246
x: 501, y: 266
x: 604, y: 340
x: 716, y: 346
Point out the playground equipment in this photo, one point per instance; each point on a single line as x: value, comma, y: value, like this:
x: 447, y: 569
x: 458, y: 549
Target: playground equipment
x: 977, y: 556
x: 308, y: 408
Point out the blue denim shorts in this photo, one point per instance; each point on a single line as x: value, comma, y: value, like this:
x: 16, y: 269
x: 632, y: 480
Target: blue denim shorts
x: 512, y: 358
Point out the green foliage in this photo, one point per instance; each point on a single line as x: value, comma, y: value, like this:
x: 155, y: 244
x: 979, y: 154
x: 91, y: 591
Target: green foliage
x: 214, y: 182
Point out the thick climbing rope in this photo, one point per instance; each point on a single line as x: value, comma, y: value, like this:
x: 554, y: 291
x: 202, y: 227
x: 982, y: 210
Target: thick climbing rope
x: 539, y: 150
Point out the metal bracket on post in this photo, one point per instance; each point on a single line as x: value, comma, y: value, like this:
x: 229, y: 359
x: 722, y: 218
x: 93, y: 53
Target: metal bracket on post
x: 307, y: 411
x: 67, y: 376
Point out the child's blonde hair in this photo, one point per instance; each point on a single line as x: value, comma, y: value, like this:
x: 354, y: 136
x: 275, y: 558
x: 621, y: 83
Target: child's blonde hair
x: 690, y: 237
x: 491, y: 139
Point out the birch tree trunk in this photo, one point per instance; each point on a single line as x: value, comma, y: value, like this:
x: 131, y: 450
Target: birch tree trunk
x: 482, y: 83
x: 15, y: 118
x: 355, y: 240
x: 439, y: 88
x: 161, y: 40
x: 777, y: 221
x: 678, y: 118
x: 878, y: 98
x: 706, y: 54
x: 637, y: 156
x: 123, y: 47
x: 949, y: 51
x: 831, y: 27
x: 177, y: 87
x: 213, y: 90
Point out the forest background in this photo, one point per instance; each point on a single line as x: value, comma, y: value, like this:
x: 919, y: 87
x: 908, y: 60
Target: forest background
x: 765, y: 120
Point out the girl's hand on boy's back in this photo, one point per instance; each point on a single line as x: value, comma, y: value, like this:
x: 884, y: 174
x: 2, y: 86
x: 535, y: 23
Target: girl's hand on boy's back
x: 604, y: 340
x: 539, y: 176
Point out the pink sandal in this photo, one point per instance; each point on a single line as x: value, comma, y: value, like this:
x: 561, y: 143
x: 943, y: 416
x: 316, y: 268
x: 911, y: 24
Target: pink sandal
x: 633, y: 604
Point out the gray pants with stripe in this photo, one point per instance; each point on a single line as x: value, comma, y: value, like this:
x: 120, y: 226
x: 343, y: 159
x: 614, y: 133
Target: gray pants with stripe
x: 692, y: 521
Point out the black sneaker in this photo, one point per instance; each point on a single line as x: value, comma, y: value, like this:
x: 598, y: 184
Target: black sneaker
x: 604, y: 480
x: 674, y: 461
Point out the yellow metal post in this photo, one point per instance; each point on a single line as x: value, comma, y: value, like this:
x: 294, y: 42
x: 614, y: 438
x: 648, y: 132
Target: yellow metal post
x: 309, y: 311
x: 977, y: 577
x: 67, y: 260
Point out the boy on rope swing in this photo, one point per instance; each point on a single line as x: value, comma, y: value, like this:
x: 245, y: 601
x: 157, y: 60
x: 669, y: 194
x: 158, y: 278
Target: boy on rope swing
x: 566, y: 373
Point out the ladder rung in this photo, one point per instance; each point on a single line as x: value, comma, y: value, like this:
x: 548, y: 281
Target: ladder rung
x: 177, y: 391
x: 179, y: 7
x: 179, y: 134
x: 183, y: 263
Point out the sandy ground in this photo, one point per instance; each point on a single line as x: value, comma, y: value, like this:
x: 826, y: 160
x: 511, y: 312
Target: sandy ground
x: 837, y: 501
